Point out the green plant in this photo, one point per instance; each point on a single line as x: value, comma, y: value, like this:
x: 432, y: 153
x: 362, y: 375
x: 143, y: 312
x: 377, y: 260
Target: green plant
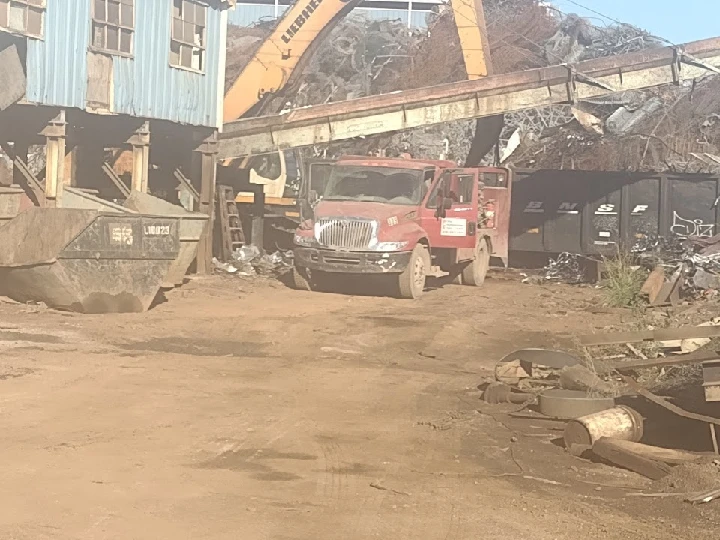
x: 622, y: 280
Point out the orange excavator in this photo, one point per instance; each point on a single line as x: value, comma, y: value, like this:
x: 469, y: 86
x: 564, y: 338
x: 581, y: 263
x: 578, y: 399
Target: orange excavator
x: 275, y: 70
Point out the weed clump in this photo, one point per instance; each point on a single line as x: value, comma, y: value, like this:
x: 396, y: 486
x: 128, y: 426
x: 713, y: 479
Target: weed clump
x: 623, y: 280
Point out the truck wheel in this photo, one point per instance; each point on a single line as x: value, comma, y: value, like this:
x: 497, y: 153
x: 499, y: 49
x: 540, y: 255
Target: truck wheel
x: 412, y: 280
x: 474, y: 273
x: 301, y: 279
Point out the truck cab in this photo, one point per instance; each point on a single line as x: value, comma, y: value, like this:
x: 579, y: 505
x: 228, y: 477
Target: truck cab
x: 406, y: 218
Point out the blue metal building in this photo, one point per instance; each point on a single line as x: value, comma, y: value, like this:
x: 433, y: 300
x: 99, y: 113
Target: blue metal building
x: 106, y: 81
x: 156, y: 59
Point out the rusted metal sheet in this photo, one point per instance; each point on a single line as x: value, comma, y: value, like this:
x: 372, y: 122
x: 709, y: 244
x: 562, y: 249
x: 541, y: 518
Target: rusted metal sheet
x: 711, y: 380
x: 468, y: 99
x: 12, y: 77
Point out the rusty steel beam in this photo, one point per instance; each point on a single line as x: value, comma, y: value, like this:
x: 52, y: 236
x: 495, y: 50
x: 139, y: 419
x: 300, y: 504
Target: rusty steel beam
x: 115, y: 179
x: 469, y: 99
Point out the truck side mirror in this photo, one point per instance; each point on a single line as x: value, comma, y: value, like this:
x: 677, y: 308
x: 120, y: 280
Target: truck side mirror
x: 313, y: 196
x: 447, y: 203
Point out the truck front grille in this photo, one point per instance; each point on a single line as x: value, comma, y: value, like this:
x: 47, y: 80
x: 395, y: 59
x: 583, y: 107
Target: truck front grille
x: 346, y: 233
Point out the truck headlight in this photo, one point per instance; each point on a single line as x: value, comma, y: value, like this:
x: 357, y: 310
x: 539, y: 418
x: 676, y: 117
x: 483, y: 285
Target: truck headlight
x: 304, y: 241
x: 389, y: 246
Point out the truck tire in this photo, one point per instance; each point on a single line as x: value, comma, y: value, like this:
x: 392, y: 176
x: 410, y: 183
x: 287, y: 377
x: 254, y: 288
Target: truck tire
x: 412, y: 279
x: 474, y: 273
x: 302, y: 280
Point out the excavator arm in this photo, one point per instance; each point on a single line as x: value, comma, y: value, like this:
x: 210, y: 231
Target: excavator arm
x: 279, y: 62
x: 472, y: 31
x: 282, y: 55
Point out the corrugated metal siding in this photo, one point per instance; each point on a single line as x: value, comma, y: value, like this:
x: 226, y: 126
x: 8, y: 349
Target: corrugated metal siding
x: 148, y: 87
x: 57, y: 65
x: 383, y: 14
x: 419, y: 19
x: 249, y: 14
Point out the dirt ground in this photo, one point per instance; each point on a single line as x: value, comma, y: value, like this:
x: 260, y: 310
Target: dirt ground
x: 239, y: 408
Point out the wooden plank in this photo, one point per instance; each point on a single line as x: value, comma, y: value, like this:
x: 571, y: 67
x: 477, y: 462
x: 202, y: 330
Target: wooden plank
x: 249, y: 198
x: 654, y: 283
x: 656, y: 453
x: 664, y: 334
x: 676, y: 360
x: 608, y: 449
x: 669, y: 293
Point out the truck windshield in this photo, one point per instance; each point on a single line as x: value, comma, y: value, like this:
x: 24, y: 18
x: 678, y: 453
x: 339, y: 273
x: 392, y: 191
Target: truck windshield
x: 375, y: 184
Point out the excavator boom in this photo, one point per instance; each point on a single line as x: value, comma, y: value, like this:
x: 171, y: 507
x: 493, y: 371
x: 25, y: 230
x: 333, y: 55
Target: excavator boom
x: 302, y: 28
x: 472, y: 31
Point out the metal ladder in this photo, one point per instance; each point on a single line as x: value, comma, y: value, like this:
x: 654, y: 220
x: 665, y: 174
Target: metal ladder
x: 231, y: 229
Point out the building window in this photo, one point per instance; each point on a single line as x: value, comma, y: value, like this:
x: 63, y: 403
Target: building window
x: 23, y: 16
x: 187, y: 43
x: 113, y: 24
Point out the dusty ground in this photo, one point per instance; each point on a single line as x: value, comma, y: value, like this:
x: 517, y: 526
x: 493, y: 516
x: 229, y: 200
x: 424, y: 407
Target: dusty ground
x: 242, y: 409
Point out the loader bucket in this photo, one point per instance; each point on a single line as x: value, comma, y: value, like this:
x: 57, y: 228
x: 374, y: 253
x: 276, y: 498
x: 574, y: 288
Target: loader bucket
x: 85, y: 260
x: 191, y: 227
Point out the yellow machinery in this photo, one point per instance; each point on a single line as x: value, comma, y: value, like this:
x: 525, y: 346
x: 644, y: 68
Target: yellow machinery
x: 302, y: 28
x: 472, y: 31
x: 279, y: 62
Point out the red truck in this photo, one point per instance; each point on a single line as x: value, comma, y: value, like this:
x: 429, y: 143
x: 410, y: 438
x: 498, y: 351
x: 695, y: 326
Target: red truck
x: 407, y: 218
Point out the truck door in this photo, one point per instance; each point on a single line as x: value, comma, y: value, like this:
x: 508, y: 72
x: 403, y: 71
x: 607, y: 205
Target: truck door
x: 458, y: 227
x: 315, y: 176
x: 496, y: 191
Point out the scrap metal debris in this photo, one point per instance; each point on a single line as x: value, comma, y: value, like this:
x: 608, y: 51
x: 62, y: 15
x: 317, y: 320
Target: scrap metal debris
x: 250, y: 261
x: 363, y: 57
x: 566, y: 268
x: 705, y: 497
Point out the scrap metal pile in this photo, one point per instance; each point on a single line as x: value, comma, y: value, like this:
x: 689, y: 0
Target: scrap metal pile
x: 672, y: 129
x: 682, y: 268
x: 364, y: 57
x: 590, y: 398
x: 664, y: 129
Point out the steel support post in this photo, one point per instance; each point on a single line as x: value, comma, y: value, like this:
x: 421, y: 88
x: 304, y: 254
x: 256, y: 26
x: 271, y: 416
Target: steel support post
x: 55, y: 133
x: 140, y: 143
x: 207, y: 151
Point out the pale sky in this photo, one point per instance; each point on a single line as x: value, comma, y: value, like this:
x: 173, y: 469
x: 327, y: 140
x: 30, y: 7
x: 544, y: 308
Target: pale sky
x: 679, y: 21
